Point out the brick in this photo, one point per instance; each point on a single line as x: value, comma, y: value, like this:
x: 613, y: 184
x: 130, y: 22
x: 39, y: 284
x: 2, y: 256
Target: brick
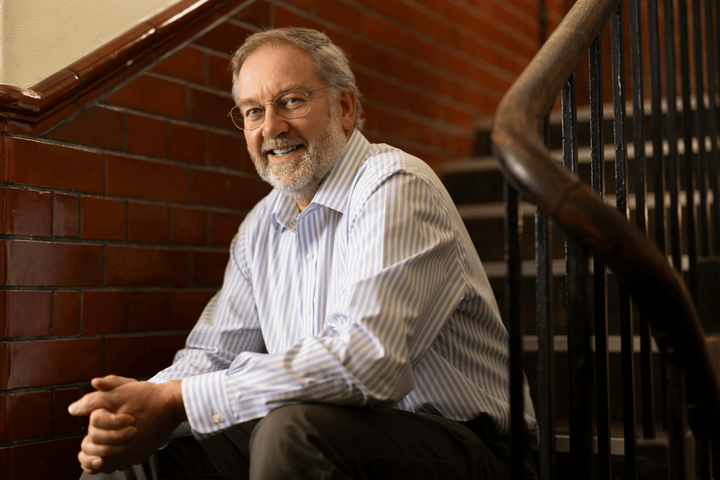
x: 385, y: 62
x: 219, y: 74
x: 46, y: 165
x: 149, y: 310
x: 384, y: 92
x: 460, y: 117
x: 66, y: 311
x: 55, y: 459
x: 25, y: 415
x: 50, y: 362
x: 384, y: 32
x: 102, y: 219
x: 425, y: 106
x: 223, y: 227
x: 103, y: 311
x: 340, y: 13
x: 187, y: 143
x: 257, y: 13
x: 99, y: 127
x: 389, y: 123
x: 25, y: 212
x: 145, y: 179
x: 208, y: 267
x: 152, y: 95
x: 304, y: 5
x: 187, y: 305
x: 147, y: 136
x: 50, y: 264
x: 388, y: 8
x: 223, y: 189
x: 142, y: 355
x: 185, y: 64
x: 286, y: 18
x: 65, y: 215
x: 226, y: 37
x: 358, y: 52
x: 430, y: 26
x: 24, y: 313
x: 189, y: 226
x: 460, y: 15
x: 210, y: 108
x: 225, y: 150
x: 137, y: 266
x: 63, y: 422
x: 148, y: 223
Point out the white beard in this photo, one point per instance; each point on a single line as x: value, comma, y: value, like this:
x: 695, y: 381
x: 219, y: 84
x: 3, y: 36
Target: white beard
x: 301, y: 177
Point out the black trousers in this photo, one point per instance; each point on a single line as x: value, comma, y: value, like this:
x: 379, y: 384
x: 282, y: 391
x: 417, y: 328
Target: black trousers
x: 329, y: 442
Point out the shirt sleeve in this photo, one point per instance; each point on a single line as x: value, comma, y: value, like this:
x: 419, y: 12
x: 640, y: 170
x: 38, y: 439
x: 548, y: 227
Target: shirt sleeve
x: 401, y: 277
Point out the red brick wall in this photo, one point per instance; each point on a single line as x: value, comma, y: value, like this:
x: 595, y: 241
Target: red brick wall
x: 116, y: 221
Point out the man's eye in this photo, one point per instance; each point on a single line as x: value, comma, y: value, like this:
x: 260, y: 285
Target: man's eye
x: 292, y: 102
x: 253, y: 112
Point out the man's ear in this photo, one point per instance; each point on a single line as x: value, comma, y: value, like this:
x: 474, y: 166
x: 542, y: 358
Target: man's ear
x: 347, y: 112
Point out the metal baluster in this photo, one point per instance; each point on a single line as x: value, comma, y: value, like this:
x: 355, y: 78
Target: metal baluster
x: 513, y: 301
x: 545, y: 333
x: 658, y: 167
x: 672, y: 159
x: 676, y: 405
x: 702, y: 212
x: 579, y: 354
x: 597, y: 180
x: 712, y: 127
x: 657, y: 141
x: 688, y: 157
x: 626, y: 324
x: 641, y: 209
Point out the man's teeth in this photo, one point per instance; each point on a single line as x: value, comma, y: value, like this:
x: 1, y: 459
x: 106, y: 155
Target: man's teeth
x: 280, y: 153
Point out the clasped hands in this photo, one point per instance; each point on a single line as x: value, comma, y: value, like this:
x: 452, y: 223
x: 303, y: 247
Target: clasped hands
x: 129, y: 421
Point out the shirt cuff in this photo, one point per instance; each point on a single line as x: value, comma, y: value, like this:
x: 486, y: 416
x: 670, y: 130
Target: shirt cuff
x: 206, y: 404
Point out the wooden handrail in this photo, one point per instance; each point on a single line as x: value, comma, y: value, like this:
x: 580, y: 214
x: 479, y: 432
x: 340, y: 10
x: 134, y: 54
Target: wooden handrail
x: 656, y: 287
x: 142, y: 43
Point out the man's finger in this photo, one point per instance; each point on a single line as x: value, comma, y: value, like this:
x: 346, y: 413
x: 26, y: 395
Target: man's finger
x: 109, y: 382
x: 91, y: 450
x: 104, y: 419
x: 111, y: 437
x: 90, y: 464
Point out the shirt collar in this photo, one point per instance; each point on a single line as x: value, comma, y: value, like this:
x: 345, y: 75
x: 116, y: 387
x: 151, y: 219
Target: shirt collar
x: 335, y: 190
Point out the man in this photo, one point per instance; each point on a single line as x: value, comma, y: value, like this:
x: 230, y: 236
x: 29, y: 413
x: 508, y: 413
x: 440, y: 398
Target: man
x: 355, y: 335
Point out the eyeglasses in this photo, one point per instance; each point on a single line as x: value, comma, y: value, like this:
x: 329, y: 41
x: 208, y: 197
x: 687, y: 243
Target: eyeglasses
x: 289, y: 105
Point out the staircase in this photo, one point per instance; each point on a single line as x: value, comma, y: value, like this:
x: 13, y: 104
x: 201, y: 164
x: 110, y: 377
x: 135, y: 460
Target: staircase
x: 476, y: 186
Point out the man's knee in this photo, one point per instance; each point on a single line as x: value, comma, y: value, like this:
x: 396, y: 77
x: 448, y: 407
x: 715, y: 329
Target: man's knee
x: 295, y: 438
x: 296, y: 425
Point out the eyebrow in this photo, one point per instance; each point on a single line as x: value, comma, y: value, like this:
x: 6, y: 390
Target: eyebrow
x: 289, y: 88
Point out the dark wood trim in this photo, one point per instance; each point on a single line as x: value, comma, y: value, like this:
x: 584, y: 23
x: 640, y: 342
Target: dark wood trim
x: 137, y: 47
x: 656, y: 287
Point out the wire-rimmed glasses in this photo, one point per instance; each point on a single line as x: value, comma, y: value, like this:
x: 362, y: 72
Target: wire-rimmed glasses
x: 293, y: 104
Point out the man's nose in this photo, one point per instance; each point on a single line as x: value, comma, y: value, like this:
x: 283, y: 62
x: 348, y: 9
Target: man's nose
x: 275, y: 124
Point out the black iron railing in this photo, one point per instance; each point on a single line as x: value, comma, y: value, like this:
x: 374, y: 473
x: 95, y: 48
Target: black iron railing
x: 682, y: 165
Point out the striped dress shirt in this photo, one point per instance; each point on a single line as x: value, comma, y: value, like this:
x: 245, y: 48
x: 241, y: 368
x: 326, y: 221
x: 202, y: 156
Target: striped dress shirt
x: 373, y: 296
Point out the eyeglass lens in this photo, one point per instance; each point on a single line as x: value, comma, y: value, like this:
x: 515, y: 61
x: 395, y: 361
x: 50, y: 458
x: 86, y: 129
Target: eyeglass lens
x: 289, y: 105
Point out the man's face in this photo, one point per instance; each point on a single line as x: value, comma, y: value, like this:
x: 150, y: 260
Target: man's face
x: 293, y: 155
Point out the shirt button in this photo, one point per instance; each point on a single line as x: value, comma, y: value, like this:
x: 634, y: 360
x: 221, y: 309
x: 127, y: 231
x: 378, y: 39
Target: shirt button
x: 309, y: 256
x: 308, y: 312
x: 216, y: 418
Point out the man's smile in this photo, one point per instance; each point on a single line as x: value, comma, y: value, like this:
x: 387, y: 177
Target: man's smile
x: 282, y: 151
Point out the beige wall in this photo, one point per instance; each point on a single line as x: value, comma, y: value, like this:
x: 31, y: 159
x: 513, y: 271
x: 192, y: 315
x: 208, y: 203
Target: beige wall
x: 40, y: 37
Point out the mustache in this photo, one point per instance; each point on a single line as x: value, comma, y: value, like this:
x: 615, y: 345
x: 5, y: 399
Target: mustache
x: 279, y: 143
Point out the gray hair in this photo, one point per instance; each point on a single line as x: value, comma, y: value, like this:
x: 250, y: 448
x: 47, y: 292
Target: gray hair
x: 331, y: 64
